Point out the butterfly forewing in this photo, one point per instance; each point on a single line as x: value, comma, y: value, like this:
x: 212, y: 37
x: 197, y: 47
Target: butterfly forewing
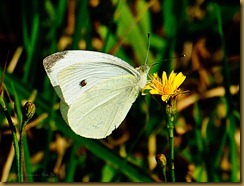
x: 56, y: 62
x: 70, y: 79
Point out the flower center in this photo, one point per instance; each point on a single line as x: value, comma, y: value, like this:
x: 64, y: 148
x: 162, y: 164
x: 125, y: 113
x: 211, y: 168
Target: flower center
x: 167, y: 89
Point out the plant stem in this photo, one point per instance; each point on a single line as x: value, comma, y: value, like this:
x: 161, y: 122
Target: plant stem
x: 171, y: 111
x: 171, y: 141
x: 21, y: 150
x: 15, y: 138
x: 27, y: 112
x: 20, y: 172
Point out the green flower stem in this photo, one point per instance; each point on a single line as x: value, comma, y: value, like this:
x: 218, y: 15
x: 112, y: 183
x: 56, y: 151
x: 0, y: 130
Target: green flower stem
x: 27, y: 112
x: 171, y: 111
x: 15, y: 139
x: 21, y: 150
x: 171, y: 142
x: 20, y: 162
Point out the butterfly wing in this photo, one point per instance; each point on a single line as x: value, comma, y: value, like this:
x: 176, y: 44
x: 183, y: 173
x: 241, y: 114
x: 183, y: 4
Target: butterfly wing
x: 96, y: 90
x: 82, y: 66
x: 101, y: 109
x: 56, y: 62
x: 64, y: 108
x: 71, y: 78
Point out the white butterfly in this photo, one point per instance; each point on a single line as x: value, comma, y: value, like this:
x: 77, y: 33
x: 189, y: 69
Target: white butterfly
x: 96, y: 89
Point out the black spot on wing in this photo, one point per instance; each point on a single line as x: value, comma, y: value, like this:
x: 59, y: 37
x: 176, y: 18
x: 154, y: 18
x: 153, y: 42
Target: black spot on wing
x: 83, y: 83
x: 50, y: 61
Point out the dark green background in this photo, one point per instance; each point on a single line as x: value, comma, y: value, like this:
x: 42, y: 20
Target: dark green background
x: 207, y: 128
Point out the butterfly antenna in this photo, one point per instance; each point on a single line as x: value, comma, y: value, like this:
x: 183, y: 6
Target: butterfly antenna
x: 148, y: 47
x: 180, y: 56
x: 159, y: 63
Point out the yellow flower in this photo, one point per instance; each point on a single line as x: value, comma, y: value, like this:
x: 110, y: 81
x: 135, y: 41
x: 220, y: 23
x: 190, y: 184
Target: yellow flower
x: 167, y: 87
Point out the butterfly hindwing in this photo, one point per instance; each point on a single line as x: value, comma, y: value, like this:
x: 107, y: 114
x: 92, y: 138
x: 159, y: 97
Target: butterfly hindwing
x: 101, y: 109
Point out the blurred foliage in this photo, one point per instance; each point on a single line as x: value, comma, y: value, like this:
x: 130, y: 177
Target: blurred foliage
x: 207, y: 128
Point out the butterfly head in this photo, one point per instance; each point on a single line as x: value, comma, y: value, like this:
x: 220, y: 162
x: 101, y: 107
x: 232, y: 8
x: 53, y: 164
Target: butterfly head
x: 143, y: 70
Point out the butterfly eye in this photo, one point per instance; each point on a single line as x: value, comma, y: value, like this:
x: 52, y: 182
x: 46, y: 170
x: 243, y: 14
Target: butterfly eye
x: 83, y: 83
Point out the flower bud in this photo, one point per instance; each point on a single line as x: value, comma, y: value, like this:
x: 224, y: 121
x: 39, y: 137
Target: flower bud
x: 28, y: 111
x: 161, y: 160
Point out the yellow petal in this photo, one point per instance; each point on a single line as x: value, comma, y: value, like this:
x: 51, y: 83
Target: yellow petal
x: 155, y: 75
x: 164, y: 78
x: 147, y: 87
x: 154, y: 91
x: 172, y: 77
x: 179, y: 79
x: 165, y: 97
